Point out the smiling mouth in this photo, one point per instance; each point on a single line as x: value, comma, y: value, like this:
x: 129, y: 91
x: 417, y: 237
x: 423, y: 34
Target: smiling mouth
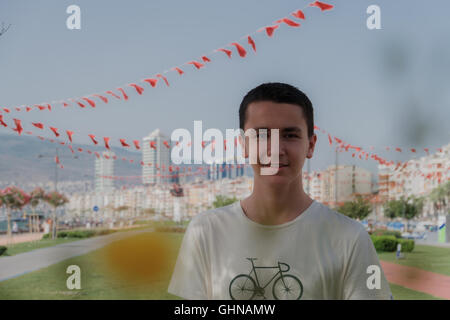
x: 275, y: 165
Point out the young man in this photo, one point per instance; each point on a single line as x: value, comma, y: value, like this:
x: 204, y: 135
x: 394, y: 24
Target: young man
x: 278, y: 243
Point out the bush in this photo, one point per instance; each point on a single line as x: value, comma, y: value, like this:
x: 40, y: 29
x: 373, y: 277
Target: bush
x: 381, y: 232
x: 407, y: 244
x: 3, y: 250
x: 385, y: 243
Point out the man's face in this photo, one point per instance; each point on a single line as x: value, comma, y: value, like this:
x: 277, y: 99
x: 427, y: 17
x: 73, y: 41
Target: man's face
x: 294, y: 144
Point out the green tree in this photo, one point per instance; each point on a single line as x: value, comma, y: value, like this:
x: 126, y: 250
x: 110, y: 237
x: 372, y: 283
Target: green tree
x: 55, y: 199
x: 13, y: 198
x: 440, y: 196
x: 358, y: 209
x: 37, y: 195
x: 222, y: 201
x: 403, y: 208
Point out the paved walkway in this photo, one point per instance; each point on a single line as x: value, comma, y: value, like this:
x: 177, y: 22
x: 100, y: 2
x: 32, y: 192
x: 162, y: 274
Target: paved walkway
x: 436, y: 284
x: 20, y: 264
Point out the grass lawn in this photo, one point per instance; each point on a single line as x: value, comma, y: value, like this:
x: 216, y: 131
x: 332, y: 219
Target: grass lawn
x: 126, y: 269
x: 434, y: 259
x: 402, y: 293
x: 106, y: 273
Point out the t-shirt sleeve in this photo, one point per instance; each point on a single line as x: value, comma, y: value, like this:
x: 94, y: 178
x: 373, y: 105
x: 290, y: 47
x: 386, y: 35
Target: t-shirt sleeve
x: 364, y: 278
x: 191, y: 272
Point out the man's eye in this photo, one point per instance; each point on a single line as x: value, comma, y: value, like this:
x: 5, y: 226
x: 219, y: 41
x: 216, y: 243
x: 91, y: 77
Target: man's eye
x: 291, y: 136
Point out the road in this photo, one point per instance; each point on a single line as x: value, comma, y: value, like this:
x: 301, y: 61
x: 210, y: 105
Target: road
x: 20, y: 264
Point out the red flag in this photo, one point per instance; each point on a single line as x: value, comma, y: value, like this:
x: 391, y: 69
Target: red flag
x: 330, y: 140
x: 270, y: 29
x: 65, y: 104
x: 166, y: 144
x: 299, y: 14
x: 49, y: 107
x: 93, y: 138
x: 136, y: 144
x: 19, y: 127
x: 57, y: 160
x: 80, y: 104
x: 426, y: 150
x: 252, y: 43
x: 7, y: 110
x: 151, y: 81
x: 106, y: 139
x: 398, y: 149
x: 17, y: 108
x: 69, y: 134
x: 123, y: 93
x: 124, y: 143
x: 40, y: 108
x: 180, y: 72
x: 97, y: 154
x: 240, y: 49
x: 206, y: 59
x: 198, y: 65
x: 80, y: 149
x: 164, y: 78
x: 413, y: 150
x: 113, y: 94
x: 38, y: 125
x: 55, y: 131
x: 153, y: 144
x: 2, y: 122
x: 90, y: 101
x: 323, y: 6
x: 104, y: 99
x: 139, y: 89
x: 89, y: 151
x: 289, y: 22
x: 228, y: 52
x: 28, y: 109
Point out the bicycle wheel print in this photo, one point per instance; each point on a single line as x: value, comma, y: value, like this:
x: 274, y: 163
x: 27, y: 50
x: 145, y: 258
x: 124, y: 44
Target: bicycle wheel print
x: 287, y: 287
x: 242, y: 287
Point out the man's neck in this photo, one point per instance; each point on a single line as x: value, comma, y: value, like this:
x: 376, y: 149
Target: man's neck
x: 272, y: 205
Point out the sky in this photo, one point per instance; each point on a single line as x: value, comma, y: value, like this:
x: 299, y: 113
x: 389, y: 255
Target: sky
x: 387, y: 87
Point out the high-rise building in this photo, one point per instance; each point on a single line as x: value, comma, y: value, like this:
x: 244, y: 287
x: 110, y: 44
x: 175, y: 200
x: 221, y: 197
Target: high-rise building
x: 104, y: 172
x: 156, y: 157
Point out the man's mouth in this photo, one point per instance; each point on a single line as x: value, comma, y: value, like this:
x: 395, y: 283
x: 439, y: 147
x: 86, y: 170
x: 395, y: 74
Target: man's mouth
x: 274, y: 165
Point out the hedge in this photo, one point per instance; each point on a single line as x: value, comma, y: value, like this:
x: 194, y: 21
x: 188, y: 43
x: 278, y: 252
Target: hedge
x: 3, y: 250
x: 80, y: 233
x: 389, y: 243
x: 381, y: 232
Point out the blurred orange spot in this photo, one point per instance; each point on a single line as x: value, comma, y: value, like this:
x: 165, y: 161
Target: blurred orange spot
x: 142, y: 258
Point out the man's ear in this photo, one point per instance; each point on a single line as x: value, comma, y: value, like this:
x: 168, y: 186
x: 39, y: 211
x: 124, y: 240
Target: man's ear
x: 311, y: 146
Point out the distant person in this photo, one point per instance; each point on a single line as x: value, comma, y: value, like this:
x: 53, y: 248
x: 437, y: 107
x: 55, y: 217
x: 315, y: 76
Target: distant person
x: 15, y: 228
x: 313, y: 252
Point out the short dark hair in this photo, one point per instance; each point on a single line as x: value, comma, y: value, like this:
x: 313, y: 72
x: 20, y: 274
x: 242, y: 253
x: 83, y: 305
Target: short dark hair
x: 280, y: 93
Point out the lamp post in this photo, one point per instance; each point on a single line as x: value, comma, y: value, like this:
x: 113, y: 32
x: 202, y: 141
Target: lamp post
x: 56, y: 185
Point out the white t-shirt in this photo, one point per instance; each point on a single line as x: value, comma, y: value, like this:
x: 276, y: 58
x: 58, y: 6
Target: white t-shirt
x: 321, y: 254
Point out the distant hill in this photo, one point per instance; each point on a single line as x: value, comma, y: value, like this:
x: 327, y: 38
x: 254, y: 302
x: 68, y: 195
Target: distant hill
x: 19, y: 160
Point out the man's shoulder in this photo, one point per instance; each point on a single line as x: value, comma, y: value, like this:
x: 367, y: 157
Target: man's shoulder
x: 334, y: 220
x: 216, y: 215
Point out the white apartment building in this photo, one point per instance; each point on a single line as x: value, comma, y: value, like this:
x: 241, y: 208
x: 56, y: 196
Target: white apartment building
x: 104, y: 168
x: 156, y: 158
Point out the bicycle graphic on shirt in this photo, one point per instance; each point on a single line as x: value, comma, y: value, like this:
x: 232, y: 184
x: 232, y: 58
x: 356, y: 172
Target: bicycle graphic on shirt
x: 285, y: 287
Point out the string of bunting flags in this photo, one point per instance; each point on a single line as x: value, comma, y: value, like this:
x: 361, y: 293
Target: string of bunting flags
x: 292, y: 21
